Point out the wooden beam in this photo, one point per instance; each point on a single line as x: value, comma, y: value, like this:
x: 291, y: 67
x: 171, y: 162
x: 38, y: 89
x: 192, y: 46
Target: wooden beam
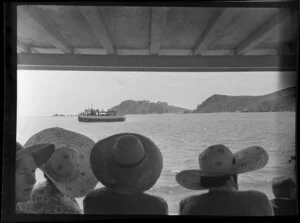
x: 33, y: 50
x: 166, y: 52
x: 39, y: 16
x: 96, y: 21
x: 25, y: 48
x: 91, y: 51
x: 217, y: 52
x: 155, y: 63
x: 267, y: 51
x: 189, y: 52
x: 94, y: 51
x: 133, y: 51
x: 176, y: 52
x: 46, y: 50
x: 158, y: 22
x: 260, y: 34
x: 206, y: 35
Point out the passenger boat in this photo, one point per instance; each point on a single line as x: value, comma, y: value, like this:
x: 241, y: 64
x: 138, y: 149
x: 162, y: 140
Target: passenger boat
x: 94, y: 115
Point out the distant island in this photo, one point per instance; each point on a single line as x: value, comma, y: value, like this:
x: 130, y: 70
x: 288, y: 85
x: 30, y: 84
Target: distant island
x: 146, y: 107
x: 58, y: 115
x: 282, y: 100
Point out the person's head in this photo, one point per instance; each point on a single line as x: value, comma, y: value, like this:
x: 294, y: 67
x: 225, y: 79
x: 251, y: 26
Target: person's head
x: 27, y: 160
x: 283, y: 187
x: 25, y: 178
x: 127, y: 163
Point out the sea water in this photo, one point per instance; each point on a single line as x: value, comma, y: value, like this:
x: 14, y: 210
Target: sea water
x: 181, y: 137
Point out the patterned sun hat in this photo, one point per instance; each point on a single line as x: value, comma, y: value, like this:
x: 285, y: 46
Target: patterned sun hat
x: 218, y: 160
x: 127, y: 163
x: 68, y: 167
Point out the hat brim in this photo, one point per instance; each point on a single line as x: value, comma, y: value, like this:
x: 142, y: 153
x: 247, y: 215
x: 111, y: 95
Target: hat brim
x: 61, y: 138
x: 80, y: 184
x: 246, y: 160
x: 191, y: 179
x: 126, y: 180
x: 41, y: 153
x: 250, y: 159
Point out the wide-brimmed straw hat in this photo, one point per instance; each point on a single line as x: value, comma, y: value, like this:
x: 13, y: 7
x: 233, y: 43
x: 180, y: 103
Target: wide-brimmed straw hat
x: 40, y: 153
x: 127, y: 163
x: 218, y: 160
x: 68, y: 167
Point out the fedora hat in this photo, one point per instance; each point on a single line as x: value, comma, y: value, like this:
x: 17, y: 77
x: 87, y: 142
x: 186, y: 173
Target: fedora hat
x: 69, y: 166
x: 218, y: 160
x: 40, y: 153
x: 127, y: 163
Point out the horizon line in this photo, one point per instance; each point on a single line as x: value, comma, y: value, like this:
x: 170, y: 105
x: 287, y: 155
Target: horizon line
x: 189, y: 109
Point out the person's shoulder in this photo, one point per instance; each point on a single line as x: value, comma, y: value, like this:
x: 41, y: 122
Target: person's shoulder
x: 40, y: 186
x: 194, y: 197
x: 284, y: 201
x: 253, y: 194
x: 257, y: 198
x: 96, y: 193
x: 92, y: 199
x: 25, y: 207
x: 44, y: 190
x: 153, y: 199
x: 191, y: 200
x: 41, y: 190
x: 156, y: 203
x: 102, y: 190
x: 191, y: 204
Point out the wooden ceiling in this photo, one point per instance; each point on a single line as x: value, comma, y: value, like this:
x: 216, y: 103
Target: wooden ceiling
x: 156, y: 38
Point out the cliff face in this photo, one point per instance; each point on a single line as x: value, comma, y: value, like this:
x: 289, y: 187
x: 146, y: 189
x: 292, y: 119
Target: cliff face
x: 283, y: 100
x: 146, y: 107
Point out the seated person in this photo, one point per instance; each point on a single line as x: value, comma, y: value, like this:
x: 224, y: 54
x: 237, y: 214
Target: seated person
x: 284, y: 190
x: 127, y: 165
x: 27, y: 160
x: 218, y: 174
x: 67, y: 172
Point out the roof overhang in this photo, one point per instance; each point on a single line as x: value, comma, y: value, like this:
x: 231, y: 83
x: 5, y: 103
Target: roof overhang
x: 147, y: 38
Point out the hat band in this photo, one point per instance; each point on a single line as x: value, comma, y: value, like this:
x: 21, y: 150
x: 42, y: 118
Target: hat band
x: 213, y: 181
x: 129, y: 166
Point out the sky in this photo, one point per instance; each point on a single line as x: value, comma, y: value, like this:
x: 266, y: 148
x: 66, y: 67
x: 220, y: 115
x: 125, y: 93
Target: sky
x: 44, y: 93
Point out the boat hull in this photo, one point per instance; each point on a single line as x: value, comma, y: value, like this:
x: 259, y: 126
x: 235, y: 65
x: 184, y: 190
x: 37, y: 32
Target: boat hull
x: 82, y: 118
